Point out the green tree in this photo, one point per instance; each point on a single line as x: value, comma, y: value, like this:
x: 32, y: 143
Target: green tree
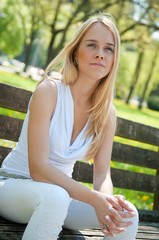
x: 11, y: 29
x: 149, y: 76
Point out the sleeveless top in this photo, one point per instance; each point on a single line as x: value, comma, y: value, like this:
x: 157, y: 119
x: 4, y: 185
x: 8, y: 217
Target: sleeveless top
x: 62, y: 154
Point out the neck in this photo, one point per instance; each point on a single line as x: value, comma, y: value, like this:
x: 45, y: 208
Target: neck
x: 82, y: 91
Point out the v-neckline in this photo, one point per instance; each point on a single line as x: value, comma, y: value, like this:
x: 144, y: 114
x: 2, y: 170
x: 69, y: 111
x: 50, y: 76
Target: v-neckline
x: 73, y: 117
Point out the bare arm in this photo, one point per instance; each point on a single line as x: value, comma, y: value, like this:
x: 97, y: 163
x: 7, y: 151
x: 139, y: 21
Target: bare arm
x: 102, y: 176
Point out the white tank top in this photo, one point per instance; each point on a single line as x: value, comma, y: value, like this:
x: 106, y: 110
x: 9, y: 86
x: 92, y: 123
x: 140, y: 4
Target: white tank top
x: 62, y: 154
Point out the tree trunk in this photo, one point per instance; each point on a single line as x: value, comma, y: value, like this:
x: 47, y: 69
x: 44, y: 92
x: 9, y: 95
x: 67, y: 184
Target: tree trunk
x: 54, y: 33
x: 148, y: 78
x: 51, y: 50
x: 29, y: 46
x: 135, y: 76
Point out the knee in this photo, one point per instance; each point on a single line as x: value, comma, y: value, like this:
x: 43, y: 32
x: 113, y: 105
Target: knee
x: 135, y: 220
x: 136, y: 216
x: 54, y: 196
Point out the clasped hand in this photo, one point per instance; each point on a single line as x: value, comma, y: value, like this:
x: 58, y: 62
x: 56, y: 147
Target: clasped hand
x: 112, y: 214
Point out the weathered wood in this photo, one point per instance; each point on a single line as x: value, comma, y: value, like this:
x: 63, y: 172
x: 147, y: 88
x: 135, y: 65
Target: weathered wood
x: 135, y: 181
x: 4, y: 151
x: 121, y: 178
x: 156, y: 197
x: 10, y: 128
x: 14, y: 231
x: 14, y: 98
x: 135, y: 156
x: 148, y: 231
x: 136, y: 131
x: 149, y: 216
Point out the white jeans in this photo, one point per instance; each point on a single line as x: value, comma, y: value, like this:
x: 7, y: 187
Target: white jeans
x: 46, y: 208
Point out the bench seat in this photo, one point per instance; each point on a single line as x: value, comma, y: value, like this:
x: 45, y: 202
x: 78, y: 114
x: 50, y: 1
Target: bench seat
x: 14, y: 231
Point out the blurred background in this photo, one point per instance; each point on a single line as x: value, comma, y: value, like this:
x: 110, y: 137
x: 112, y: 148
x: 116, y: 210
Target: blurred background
x: 32, y: 32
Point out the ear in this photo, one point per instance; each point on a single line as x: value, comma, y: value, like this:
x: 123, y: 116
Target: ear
x: 75, y: 61
x: 75, y: 55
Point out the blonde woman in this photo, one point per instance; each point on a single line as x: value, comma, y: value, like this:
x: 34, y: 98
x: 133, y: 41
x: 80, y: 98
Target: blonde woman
x: 67, y: 120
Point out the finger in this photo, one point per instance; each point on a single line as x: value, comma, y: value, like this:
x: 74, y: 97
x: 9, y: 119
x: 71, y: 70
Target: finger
x: 115, y: 214
x: 115, y: 226
x: 126, y: 205
x: 114, y: 202
x: 111, y: 229
x: 123, y: 224
x: 107, y: 231
x: 125, y: 214
x: 110, y: 223
x: 120, y: 197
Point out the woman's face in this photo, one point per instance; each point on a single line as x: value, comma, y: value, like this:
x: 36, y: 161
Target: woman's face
x: 95, y: 54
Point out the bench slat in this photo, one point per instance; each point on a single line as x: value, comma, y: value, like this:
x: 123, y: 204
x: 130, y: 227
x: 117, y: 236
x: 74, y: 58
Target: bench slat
x: 4, y: 151
x: 134, y: 155
x: 146, y: 183
x: 18, y: 100
x: 136, y: 131
x: 149, y: 216
x: 121, y: 178
x: 10, y: 128
x: 127, y: 179
x: 14, y: 98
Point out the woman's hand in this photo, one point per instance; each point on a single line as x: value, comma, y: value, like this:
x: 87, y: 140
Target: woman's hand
x: 110, y: 212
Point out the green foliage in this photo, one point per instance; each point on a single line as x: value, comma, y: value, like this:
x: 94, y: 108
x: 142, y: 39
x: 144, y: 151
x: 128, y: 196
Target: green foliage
x: 11, y: 29
x: 125, y: 72
x: 139, y: 199
x: 153, y: 102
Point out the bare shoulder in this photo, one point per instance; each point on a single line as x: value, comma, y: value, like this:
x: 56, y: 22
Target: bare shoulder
x: 45, y: 96
x: 46, y: 87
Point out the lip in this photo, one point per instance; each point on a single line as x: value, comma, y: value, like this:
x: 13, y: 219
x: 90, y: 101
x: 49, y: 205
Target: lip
x: 98, y: 64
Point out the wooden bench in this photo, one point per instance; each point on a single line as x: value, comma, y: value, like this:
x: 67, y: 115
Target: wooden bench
x: 17, y: 99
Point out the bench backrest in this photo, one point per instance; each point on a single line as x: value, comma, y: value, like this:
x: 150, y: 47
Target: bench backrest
x: 17, y: 99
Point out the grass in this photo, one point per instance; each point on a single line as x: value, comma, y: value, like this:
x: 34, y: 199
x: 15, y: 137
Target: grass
x: 145, y: 116
x: 17, y: 80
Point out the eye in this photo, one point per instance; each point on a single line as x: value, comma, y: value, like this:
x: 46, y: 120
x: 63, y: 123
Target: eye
x: 93, y: 45
x: 109, y: 49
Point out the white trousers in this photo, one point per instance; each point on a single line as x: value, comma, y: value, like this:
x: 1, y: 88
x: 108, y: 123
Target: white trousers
x: 46, y: 208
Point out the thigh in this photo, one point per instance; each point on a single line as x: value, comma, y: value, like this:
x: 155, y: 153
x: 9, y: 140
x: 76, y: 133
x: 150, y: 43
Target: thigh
x: 81, y: 215
x: 19, y: 198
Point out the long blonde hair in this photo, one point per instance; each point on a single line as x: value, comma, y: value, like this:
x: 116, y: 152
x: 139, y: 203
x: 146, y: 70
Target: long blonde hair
x: 103, y: 94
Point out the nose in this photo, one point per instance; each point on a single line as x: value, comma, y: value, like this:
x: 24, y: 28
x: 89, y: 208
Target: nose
x: 99, y: 55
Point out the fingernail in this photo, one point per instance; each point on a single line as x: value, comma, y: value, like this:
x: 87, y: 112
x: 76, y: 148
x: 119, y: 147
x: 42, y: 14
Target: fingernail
x: 124, y: 230
x: 110, y: 208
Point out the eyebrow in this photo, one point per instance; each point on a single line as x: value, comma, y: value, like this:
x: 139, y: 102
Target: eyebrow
x: 93, y: 40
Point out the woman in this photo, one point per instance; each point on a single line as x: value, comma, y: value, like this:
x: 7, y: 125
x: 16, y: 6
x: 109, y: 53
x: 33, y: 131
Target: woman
x: 69, y: 120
